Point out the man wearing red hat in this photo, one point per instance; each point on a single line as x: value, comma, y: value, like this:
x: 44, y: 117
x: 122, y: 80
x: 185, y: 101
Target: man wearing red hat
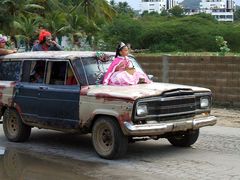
x: 46, y: 43
x: 3, y: 50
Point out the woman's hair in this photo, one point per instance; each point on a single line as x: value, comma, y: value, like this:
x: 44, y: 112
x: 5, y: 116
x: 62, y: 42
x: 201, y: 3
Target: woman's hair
x: 42, y: 36
x: 119, y: 48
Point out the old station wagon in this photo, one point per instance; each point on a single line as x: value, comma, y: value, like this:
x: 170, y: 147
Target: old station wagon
x: 63, y: 91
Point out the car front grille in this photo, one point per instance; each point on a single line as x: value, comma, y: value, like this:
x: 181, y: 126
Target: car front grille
x: 175, y: 103
x: 172, y: 106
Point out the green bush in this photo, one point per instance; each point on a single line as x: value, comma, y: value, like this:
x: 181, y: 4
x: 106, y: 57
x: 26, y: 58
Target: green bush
x: 164, y: 33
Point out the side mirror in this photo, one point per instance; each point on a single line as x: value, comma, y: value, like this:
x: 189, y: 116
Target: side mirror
x: 152, y: 77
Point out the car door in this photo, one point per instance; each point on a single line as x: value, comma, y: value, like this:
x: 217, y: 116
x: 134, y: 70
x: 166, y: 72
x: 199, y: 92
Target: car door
x: 27, y: 89
x: 59, y: 96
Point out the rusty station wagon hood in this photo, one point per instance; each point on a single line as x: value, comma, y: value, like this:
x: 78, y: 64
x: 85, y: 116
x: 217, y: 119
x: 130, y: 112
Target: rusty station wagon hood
x: 136, y: 91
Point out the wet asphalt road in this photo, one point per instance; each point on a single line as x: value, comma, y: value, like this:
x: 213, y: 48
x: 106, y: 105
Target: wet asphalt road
x: 54, y: 155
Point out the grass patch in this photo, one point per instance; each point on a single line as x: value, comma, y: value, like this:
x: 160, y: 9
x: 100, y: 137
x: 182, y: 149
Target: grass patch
x: 185, y: 54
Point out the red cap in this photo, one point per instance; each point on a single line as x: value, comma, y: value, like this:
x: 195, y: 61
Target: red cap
x: 43, y: 34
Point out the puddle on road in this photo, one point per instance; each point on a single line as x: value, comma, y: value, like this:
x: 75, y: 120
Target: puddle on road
x: 2, y: 151
x: 19, y: 164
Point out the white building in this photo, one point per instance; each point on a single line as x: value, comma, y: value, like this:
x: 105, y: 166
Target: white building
x: 156, y: 5
x: 222, y: 10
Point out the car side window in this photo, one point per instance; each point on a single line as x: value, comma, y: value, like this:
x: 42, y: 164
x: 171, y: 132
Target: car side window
x: 33, y: 71
x: 70, y: 77
x: 60, y: 73
x: 10, y: 70
x: 78, y: 65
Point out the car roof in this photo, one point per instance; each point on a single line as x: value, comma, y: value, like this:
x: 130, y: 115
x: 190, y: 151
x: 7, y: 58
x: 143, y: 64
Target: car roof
x: 61, y: 55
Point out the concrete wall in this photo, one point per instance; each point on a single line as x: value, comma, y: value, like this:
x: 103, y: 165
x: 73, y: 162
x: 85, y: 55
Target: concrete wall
x: 220, y: 74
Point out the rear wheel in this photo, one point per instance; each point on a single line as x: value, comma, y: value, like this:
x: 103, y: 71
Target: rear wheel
x: 185, y: 139
x: 108, y: 139
x: 14, y: 129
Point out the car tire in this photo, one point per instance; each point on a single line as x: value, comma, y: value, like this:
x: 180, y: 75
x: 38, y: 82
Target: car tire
x: 108, y: 139
x: 14, y: 128
x: 185, y: 139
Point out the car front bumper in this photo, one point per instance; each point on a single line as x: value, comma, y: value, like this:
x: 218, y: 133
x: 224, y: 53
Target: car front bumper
x: 168, y: 127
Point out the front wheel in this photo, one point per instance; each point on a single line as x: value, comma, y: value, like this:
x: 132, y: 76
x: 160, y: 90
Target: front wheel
x: 14, y: 129
x: 108, y: 139
x: 185, y: 139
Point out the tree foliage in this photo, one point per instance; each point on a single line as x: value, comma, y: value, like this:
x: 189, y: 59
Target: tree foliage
x: 170, y: 33
x: 61, y: 17
x: 176, y: 11
x: 104, y: 25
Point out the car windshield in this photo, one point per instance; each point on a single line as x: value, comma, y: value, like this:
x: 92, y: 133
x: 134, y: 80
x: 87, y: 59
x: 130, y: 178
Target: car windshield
x: 94, y: 69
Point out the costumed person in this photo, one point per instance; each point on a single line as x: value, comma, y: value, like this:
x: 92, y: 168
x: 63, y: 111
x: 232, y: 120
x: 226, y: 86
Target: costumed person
x: 46, y: 43
x: 3, y: 50
x: 122, y: 72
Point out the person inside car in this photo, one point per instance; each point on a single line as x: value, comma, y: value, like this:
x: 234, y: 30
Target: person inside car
x: 46, y: 43
x: 122, y: 72
x: 3, y: 50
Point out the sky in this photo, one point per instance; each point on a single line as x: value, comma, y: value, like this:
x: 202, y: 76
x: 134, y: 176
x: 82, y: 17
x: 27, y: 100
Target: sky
x: 135, y: 3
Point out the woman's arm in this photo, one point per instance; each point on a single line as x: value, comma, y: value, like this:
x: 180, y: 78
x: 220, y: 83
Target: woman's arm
x: 7, y: 51
x: 55, y: 46
x: 120, y: 66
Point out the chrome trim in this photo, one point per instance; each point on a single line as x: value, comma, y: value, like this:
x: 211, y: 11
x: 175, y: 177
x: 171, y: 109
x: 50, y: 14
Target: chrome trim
x: 163, y: 128
x: 165, y: 115
x: 162, y: 99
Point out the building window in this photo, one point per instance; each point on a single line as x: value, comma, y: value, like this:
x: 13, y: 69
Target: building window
x: 229, y: 16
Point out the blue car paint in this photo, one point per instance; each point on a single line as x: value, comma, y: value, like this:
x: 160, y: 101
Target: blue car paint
x: 48, y: 105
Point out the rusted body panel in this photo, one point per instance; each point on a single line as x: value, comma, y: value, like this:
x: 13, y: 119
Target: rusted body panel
x: 55, y: 107
x: 90, y: 107
x: 118, y: 101
x: 6, y: 92
x: 95, y: 103
x: 136, y: 91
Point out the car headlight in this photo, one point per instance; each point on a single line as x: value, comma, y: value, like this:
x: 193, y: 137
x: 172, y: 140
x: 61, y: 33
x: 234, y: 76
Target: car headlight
x: 204, y: 102
x: 142, y: 110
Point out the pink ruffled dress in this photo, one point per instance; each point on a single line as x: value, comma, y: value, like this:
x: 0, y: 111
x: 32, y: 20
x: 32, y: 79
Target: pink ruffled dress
x: 121, y: 77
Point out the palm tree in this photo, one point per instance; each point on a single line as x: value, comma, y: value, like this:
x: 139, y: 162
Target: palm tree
x: 76, y: 24
x: 26, y: 28
x: 95, y: 8
x: 76, y: 17
x: 89, y: 16
x: 56, y: 23
x: 49, y: 6
x: 13, y: 9
x: 16, y: 7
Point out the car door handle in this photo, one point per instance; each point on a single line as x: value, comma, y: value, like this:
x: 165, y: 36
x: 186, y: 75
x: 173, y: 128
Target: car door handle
x: 43, y: 88
x: 19, y: 86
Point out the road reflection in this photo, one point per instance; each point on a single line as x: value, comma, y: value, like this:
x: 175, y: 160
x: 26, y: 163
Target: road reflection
x: 19, y: 164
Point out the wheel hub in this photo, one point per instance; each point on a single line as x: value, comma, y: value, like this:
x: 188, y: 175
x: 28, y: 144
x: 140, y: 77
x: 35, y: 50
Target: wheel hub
x: 106, y: 137
x: 12, y: 126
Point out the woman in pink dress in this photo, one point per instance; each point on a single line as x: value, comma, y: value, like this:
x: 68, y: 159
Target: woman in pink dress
x: 122, y: 72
